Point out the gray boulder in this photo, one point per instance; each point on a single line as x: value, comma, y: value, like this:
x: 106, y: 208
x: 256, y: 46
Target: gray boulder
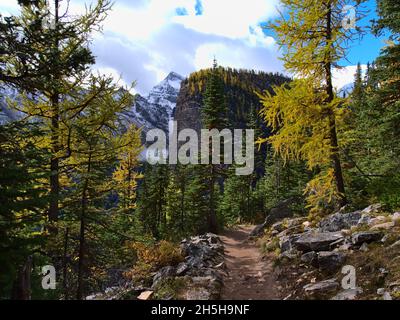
x: 286, y: 243
x: 166, y: 272
x: 366, y: 237
x: 310, y: 258
x: 181, y: 269
x: 349, y: 294
x: 290, y: 254
x: 339, y: 221
x: 330, y: 261
x: 316, y: 241
x: 258, y: 230
x: 365, y: 219
x: 373, y: 208
x: 278, y: 226
x: 278, y: 213
x: 321, y: 289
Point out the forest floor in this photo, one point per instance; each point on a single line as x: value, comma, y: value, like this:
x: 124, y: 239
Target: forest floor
x: 249, y: 277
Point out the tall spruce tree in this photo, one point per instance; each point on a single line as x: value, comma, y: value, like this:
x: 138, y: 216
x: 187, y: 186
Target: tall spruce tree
x: 151, y: 207
x: 214, y: 116
x: 23, y: 207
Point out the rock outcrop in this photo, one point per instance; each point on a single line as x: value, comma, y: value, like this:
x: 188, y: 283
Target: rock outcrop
x: 199, y: 277
x: 312, y: 256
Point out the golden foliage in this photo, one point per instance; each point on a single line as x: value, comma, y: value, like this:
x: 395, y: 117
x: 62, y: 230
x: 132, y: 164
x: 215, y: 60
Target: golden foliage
x: 154, y: 257
x: 300, y: 120
x: 307, y: 115
x: 125, y: 176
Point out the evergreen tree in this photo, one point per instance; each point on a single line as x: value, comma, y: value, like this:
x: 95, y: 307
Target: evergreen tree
x: 283, y: 180
x: 236, y: 204
x: 126, y: 175
x: 23, y: 206
x: 98, y: 150
x: 152, y: 199
x: 214, y: 116
x: 186, y: 202
x: 374, y: 152
x: 384, y: 107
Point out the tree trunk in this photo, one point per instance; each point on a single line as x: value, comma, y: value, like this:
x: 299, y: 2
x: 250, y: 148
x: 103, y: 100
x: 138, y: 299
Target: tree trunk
x: 212, y: 218
x: 65, y: 262
x: 55, y: 143
x: 337, y: 167
x: 22, y: 285
x: 82, y: 244
x: 54, y: 163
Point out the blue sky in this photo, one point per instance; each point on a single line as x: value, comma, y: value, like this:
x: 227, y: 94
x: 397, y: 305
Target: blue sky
x: 368, y: 48
x: 143, y: 40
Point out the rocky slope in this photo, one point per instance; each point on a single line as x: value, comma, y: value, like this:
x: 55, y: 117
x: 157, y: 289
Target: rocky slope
x: 198, y: 277
x: 346, y: 256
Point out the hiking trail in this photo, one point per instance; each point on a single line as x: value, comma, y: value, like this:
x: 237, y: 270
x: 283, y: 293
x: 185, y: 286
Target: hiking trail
x: 249, y: 277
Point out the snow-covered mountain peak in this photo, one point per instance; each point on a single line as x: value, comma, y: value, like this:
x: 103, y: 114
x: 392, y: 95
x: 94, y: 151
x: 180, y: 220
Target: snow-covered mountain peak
x: 166, y: 89
x: 174, y: 78
x: 155, y: 110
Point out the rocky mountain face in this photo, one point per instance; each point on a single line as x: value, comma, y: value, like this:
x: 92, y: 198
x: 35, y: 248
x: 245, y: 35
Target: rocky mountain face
x: 155, y: 110
x: 240, y: 91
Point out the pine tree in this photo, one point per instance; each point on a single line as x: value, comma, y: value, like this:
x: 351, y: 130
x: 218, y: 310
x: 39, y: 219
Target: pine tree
x: 152, y: 200
x: 126, y: 175
x: 214, y: 116
x: 99, y: 150
x: 187, y: 202
x: 23, y: 203
x: 374, y: 151
x: 214, y: 110
x: 283, y: 180
x: 198, y: 202
x: 236, y: 204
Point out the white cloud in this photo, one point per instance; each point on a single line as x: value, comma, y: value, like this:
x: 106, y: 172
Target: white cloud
x: 144, y: 40
x: 345, y: 75
x: 8, y: 7
x: 230, y: 19
x: 228, y: 29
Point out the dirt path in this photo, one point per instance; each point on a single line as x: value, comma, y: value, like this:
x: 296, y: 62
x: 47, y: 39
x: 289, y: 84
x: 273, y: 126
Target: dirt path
x: 249, y: 278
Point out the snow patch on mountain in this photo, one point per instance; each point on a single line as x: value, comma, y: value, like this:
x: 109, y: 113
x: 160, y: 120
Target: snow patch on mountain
x: 155, y: 110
